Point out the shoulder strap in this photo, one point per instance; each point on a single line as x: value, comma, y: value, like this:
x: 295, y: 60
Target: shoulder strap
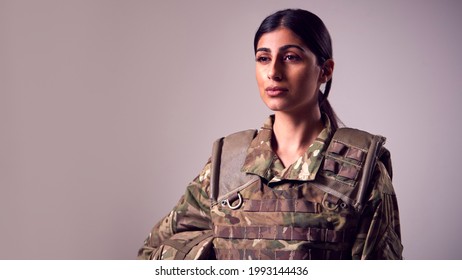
x: 384, y: 157
x: 228, y: 156
x: 349, y: 163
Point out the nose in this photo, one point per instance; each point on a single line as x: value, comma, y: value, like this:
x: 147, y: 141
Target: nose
x: 275, y: 71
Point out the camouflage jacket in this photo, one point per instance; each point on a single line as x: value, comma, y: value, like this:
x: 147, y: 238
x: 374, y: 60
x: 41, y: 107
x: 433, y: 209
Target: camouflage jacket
x: 284, y: 215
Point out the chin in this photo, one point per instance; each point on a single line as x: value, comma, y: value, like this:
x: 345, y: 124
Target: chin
x: 274, y: 108
x: 275, y: 105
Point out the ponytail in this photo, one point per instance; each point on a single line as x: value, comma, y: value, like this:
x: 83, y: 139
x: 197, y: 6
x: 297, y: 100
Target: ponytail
x: 326, y: 108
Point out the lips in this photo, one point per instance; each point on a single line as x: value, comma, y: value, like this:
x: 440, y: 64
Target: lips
x: 276, y: 91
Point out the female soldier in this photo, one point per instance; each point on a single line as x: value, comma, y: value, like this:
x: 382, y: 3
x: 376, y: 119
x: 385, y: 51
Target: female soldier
x: 305, y: 189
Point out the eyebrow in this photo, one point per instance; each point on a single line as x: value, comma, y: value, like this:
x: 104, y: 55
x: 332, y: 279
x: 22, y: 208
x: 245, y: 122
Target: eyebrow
x: 283, y: 48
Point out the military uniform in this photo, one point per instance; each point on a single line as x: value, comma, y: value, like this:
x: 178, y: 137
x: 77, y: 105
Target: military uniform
x: 285, y: 214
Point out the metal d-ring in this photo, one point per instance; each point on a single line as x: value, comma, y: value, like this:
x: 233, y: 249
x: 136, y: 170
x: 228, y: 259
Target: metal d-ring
x: 325, y: 204
x: 239, y: 203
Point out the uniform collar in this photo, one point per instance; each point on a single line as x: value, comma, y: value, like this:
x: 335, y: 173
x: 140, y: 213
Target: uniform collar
x: 262, y: 161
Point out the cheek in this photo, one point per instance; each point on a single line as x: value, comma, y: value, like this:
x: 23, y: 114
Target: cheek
x: 259, y: 75
x: 307, y: 80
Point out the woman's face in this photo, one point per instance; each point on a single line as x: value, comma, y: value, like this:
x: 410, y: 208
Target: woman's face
x: 288, y: 76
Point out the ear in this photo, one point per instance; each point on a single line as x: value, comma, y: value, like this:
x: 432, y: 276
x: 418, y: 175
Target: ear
x: 327, y: 69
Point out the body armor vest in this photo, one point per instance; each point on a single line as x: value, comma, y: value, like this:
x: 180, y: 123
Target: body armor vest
x: 297, y: 220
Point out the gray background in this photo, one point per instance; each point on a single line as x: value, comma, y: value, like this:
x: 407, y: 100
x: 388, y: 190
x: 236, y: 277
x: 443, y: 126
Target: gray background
x: 109, y: 108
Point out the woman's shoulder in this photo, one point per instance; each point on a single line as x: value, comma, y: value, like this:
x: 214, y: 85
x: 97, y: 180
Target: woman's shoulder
x: 359, y: 146
x: 358, y: 138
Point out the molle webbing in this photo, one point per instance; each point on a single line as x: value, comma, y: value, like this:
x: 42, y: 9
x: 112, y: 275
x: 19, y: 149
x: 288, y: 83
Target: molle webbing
x: 276, y: 232
x: 280, y: 205
x: 305, y: 254
x: 348, y: 165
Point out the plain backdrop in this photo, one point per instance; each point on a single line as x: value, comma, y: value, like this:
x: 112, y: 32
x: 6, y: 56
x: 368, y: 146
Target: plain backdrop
x: 108, y: 109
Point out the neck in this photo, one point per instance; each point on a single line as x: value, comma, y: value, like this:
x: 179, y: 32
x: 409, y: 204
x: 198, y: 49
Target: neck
x: 294, y: 133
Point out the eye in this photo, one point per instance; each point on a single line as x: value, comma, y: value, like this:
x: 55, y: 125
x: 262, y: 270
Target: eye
x: 263, y: 59
x: 292, y: 57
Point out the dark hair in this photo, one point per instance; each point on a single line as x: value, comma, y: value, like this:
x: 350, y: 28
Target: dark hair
x: 310, y: 28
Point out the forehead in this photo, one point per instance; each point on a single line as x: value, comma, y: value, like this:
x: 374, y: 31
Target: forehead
x: 280, y: 37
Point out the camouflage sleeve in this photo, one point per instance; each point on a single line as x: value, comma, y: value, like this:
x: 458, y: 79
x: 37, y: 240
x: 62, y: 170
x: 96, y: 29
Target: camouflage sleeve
x: 191, y: 213
x: 379, y: 234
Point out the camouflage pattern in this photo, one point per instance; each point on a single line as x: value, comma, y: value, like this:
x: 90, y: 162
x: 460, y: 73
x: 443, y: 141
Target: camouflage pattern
x: 285, y: 214
x: 191, y: 213
x: 186, y: 245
